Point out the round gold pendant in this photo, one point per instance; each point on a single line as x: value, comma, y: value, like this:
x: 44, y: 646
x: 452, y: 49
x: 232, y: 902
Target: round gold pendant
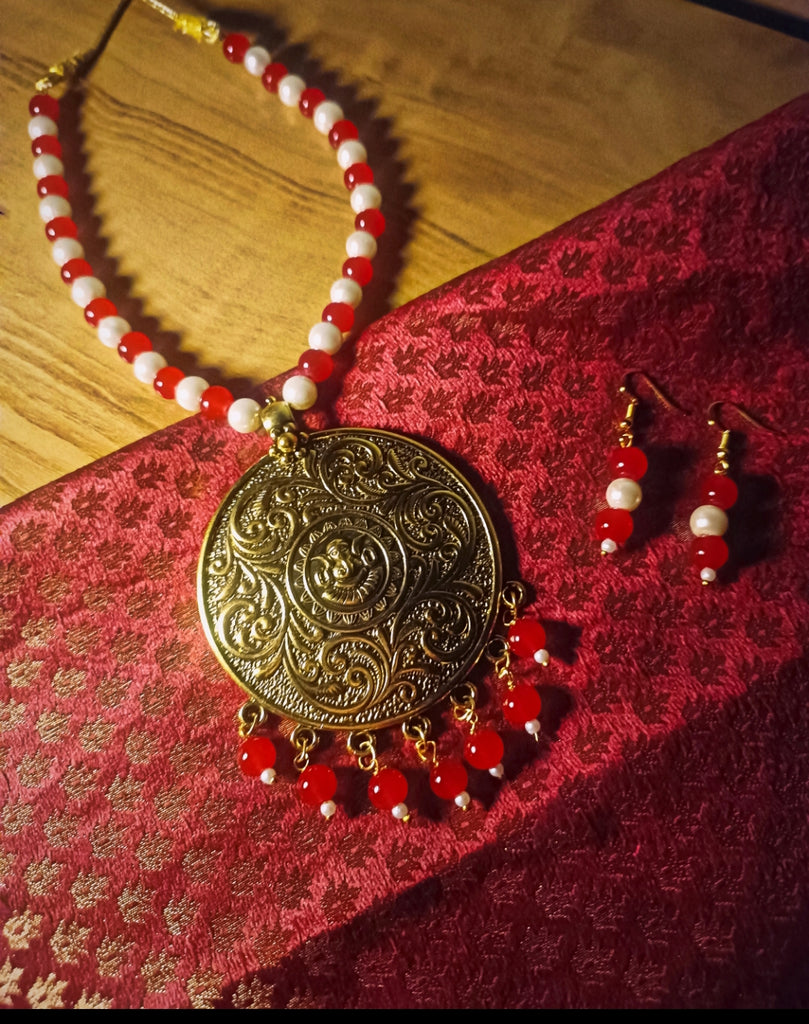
x: 352, y: 584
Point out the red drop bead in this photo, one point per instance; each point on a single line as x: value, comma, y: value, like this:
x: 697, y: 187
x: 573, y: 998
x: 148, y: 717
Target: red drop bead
x: 235, y: 46
x: 387, y: 788
x: 61, y: 227
x: 448, y: 779
x: 358, y: 174
x: 316, y: 784
x: 614, y: 524
x: 341, y: 131
x: 719, y: 490
x: 166, y: 380
x: 310, y: 99
x: 316, y: 365
x: 628, y: 462
x: 709, y: 552
x: 44, y: 105
x: 359, y: 269
x: 484, y: 750
x: 215, y: 402
x: 522, y: 704
x: 47, y: 145
x: 74, y: 269
x: 371, y: 221
x: 256, y: 754
x: 52, y: 185
x: 272, y: 75
x: 98, y: 309
x: 340, y: 314
x: 526, y: 637
x: 132, y: 344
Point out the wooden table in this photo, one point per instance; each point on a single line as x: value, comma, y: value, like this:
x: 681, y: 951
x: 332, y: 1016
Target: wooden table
x: 217, y: 218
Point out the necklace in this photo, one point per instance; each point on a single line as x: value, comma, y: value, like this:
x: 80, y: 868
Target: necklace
x: 351, y: 579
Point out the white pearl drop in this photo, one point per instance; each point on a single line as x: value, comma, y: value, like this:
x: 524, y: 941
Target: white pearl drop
x: 46, y: 165
x: 497, y: 771
x: 707, y: 575
x: 289, y: 90
x: 326, y: 337
x: 346, y: 290
x: 462, y: 799
x: 243, y: 415
x: 533, y: 727
x: 85, y: 289
x: 255, y: 60
x: 365, y: 197
x: 608, y: 546
x: 351, y: 152
x: 189, y: 391
x: 327, y: 808
x: 624, y: 493
x: 64, y: 249
x: 268, y: 776
x: 542, y: 657
x: 400, y: 812
x: 361, y: 243
x: 327, y: 114
x: 147, y: 365
x: 54, y: 206
x: 111, y: 329
x: 708, y: 521
x: 300, y: 392
x: 41, y: 125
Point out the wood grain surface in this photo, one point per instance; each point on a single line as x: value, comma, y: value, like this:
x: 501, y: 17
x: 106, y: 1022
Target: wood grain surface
x: 217, y: 218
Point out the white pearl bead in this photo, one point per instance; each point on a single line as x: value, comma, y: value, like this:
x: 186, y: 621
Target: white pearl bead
x: 243, y: 415
x: 400, y: 812
x: 255, y: 60
x: 327, y: 114
x: 351, y: 152
x: 189, y: 391
x: 85, y: 289
x: 497, y: 771
x: 327, y: 808
x: 346, y: 290
x: 462, y: 799
x: 533, y: 727
x: 361, y: 243
x: 300, y: 392
x: 46, y: 165
x: 111, y: 329
x: 54, y: 206
x: 326, y: 337
x: 365, y: 197
x: 147, y: 365
x: 41, y: 125
x: 708, y: 521
x: 542, y: 657
x: 624, y: 493
x: 608, y: 546
x: 707, y: 575
x: 289, y: 90
x: 268, y: 776
x: 64, y: 249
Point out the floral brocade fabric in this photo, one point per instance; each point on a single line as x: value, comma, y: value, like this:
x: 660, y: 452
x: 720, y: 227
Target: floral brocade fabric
x: 650, y: 851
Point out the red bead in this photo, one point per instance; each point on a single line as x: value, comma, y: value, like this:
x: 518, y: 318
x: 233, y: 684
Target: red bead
x: 448, y: 779
x: 526, y: 637
x: 371, y: 221
x: 215, y: 402
x: 358, y: 174
x: 256, y: 755
x: 719, y: 490
x: 708, y: 552
x: 60, y: 227
x: 132, y: 344
x: 341, y: 131
x: 340, y: 314
x: 359, y: 269
x: 164, y: 384
x: 628, y: 462
x: 310, y: 99
x: 387, y: 788
x: 484, y: 750
x: 613, y: 524
x: 52, y: 185
x: 235, y: 46
x: 74, y: 269
x: 44, y: 105
x: 47, y: 145
x: 316, y: 365
x: 272, y: 75
x: 98, y: 309
x: 522, y: 704
x: 316, y: 784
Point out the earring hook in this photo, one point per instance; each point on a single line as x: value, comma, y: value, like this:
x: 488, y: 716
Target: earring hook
x: 714, y: 419
x: 657, y: 391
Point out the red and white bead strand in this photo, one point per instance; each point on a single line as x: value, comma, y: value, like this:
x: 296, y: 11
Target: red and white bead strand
x: 326, y: 337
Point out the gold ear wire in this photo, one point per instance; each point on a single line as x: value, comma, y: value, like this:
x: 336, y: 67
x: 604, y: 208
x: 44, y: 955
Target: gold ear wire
x: 626, y: 436
x: 714, y: 420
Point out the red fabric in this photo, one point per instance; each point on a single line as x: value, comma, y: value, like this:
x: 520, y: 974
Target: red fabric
x: 650, y: 851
